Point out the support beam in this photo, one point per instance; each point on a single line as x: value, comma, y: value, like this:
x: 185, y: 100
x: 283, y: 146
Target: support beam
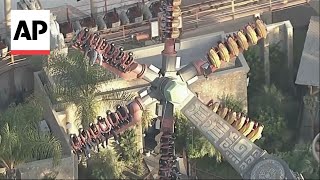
x: 7, y: 15
x: 289, y: 50
x: 93, y: 8
x: 264, y: 56
x: 169, y: 57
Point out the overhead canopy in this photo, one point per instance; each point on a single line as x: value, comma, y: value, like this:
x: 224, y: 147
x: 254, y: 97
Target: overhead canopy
x: 308, y: 72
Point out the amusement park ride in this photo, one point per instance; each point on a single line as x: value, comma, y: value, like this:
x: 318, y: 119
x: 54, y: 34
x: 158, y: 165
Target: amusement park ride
x: 169, y: 87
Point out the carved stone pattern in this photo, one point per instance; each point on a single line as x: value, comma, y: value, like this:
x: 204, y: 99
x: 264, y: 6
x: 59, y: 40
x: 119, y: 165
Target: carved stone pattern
x: 239, y: 151
x: 268, y: 169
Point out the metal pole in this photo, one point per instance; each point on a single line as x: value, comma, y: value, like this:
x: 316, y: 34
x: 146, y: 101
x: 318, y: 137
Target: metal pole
x: 197, y: 18
x: 232, y: 9
x: 7, y: 15
x: 92, y: 8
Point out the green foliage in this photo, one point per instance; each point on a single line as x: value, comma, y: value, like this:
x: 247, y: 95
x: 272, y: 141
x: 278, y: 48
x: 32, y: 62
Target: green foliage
x: 197, y: 145
x: 301, y: 160
x: 256, y: 73
x: 233, y: 103
x: 279, y: 71
x: 130, y: 152
x: 138, y: 166
x: 208, y: 168
x: 21, y: 141
x: 273, y: 106
x: 118, y: 97
x: 50, y: 175
x: 106, y: 165
x: 77, y: 82
x: 128, y: 145
x: 267, y: 97
x: 146, y: 119
x: 269, y: 108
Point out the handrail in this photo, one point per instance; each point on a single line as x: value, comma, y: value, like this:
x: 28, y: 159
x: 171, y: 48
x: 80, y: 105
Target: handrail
x: 126, y: 31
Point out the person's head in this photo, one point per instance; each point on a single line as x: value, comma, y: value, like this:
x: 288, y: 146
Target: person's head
x: 108, y: 112
x: 99, y: 118
x: 82, y: 131
x: 130, y: 53
x: 74, y: 138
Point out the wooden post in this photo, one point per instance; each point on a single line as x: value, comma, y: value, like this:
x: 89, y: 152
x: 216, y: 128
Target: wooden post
x: 264, y: 56
x: 92, y: 8
x: 105, y: 7
x: 123, y: 33
x: 7, y: 11
x: 197, y: 18
x: 270, y: 5
x: 232, y: 9
x: 12, y: 58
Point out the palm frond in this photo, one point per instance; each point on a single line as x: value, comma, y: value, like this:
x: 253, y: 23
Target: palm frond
x: 146, y: 119
x: 118, y: 97
x: 43, y: 146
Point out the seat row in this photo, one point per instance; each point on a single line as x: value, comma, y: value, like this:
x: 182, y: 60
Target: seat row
x: 168, y: 160
x: 97, y: 48
x: 170, y: 22
x: 236, y: 43
x: 99, y: 133
x: 249, y: 128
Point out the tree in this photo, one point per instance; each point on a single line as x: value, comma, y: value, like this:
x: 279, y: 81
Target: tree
x: 106, y: 165
x: 279, y: 71
x: 146, y: 119
x: 20, y: 138
x: 256, y: 73
x: 196, y: 144
x: 301, y: 160
x: 128, y: 146
x: 130, y: 153
x: 269, y: 107
x: 232, y: 103
x: 77, y: 82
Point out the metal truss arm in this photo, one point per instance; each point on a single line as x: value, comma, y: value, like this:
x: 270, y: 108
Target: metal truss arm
x: 166, y: 114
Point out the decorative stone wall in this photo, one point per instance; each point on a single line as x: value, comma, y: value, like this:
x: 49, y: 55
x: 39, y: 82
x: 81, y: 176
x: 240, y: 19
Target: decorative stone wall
x: 67, y: 169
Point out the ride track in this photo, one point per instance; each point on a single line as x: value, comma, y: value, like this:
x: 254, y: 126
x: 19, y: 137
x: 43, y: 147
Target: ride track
x: 169, y: 87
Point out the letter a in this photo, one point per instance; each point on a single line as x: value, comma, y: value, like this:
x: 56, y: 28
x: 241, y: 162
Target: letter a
x: 22, y: 25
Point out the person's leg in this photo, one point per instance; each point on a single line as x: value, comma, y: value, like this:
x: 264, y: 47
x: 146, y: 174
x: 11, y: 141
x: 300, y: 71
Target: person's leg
x: 94, y: 57
x: 100, y: 59
x: 88, y: 151
x: 116, y: 137
x: 86, y: 50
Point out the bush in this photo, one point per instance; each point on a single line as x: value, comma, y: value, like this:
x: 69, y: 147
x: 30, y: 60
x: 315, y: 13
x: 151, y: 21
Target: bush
x: 232, y: 103
x: 301, y: 160
x: 106, y: 165
x: 196, y: 144
x: 128, y: 146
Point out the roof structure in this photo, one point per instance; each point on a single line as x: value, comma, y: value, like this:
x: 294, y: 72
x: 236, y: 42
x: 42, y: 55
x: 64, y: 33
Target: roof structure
x: 308, y: 72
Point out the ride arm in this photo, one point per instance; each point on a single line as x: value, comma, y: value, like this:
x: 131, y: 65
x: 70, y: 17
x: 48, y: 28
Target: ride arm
x: 122, y: 65
x: 250, y: 161
x: 135, y: 109
x: 226, y: 50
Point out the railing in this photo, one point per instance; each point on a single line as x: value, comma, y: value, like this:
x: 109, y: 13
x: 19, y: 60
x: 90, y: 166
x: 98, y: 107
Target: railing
x: 205, y: 14
x: 210, y: 14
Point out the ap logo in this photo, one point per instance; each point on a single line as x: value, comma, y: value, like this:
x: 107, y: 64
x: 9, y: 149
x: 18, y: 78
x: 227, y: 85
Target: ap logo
x: 30, y: 32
